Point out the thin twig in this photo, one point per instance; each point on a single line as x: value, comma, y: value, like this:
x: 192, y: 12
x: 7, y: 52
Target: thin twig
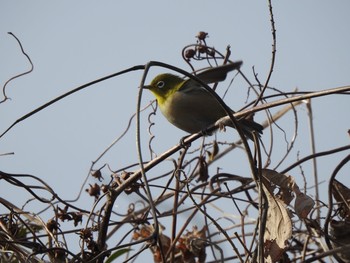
x: 314, y: 160
x: 19, y: 75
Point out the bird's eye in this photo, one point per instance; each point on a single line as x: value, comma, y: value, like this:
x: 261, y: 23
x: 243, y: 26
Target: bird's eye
x: 160, y: 84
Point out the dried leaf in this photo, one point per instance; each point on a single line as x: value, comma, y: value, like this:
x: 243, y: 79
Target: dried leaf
x: 163, y: 243
x: 340, y: 233
x: 303, y: 205
x: 284, y: 182
x: 340, y: 191
x: 342, y: 195
x: 203, y: 170
x: 214, y: 152
x: 192, y: 245
x: 97, y: 174
x: 278, y: 228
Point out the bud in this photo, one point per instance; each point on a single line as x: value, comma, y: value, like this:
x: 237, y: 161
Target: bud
x: 202, y: 35
x: 189, y: 53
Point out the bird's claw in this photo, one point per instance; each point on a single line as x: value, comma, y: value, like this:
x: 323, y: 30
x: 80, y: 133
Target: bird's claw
x: 221, y: 123
x: 183, y: 143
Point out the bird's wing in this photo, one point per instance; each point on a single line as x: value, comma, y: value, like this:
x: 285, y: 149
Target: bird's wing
x: 218, y: 74
x: 194, y: 98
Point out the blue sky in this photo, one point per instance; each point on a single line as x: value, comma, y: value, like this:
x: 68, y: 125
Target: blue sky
x: 74, y: 42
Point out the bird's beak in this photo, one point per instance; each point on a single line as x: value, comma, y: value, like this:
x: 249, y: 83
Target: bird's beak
x: 147, y: 87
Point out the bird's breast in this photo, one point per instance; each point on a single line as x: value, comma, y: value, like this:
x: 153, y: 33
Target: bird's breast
x: 192, y: 112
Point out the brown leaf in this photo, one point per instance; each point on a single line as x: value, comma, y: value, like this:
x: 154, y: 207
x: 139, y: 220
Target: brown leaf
x: 214, y: 152
x: 340, y: 233
x: 303, y: 205
x: 342, y: 195
x: 284, y: 182
x: 203, y: 170
x: 278, y: 228
x: 193, y: 244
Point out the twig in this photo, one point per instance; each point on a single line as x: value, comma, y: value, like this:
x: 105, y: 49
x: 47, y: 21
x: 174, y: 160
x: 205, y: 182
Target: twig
x: 19, y: 75
x: 314, y: 160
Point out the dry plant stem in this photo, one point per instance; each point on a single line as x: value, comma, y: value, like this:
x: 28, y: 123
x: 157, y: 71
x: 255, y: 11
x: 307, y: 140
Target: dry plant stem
x: 119, y: 137
x: 343, y: 198
x: 319, y: 154
x: 19, y: 75
x: 137, y: 174
x: 103, y: 227
x: 265, y: 124
x: 213, y: 221
x: 11, y: 178
x: 126, y: 220
x: 329, y: 253
x: 318, y: 238
x: 8, y: 238
x: 293, y: 99
x: 14, y: 209
x: 108, y: 251
x: 303, y: 254
x: 314, y: 160
x: 100, y: 156
x: 143, y: 171
x: 103, y: 153
x: 36, y: 245
x: 263, y: 205
x: 213, y: 244
x: 184, y: 226
x: 289, y: 143
x: 139, y: 67
x: 149, y: 130
x: 246, y: 251
x: 176, y: 201
x: 243, y: 240
x: 273, y: 31
x: 330, y: 202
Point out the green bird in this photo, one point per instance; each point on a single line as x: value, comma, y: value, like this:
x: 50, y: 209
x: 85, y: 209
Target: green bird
x: 189, y: 106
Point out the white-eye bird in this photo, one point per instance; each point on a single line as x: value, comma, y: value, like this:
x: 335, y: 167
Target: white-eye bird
x: 189, y: 106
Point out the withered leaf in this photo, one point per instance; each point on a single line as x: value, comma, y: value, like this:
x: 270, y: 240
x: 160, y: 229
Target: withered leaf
x: 278, y: 228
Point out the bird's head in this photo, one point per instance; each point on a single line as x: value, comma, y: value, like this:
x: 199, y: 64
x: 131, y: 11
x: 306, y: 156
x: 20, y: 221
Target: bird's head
x: 164, y: 85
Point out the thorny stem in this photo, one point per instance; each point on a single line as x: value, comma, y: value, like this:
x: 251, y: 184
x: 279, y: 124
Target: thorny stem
x: 274, y: 43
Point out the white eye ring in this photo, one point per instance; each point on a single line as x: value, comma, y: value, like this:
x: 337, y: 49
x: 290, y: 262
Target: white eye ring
x: 160, y: 84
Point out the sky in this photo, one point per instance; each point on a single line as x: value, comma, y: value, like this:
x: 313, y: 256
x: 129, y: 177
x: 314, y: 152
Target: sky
x: 74, y: 42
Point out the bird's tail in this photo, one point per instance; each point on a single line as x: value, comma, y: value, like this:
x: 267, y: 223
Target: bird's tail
x: 249, y: 126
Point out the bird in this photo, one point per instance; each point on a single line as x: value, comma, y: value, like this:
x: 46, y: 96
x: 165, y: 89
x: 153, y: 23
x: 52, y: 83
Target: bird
x: 186, y: 104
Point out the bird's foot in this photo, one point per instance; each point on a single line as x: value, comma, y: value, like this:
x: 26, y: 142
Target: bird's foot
x: 221, y: 123
x: 183, y: 143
